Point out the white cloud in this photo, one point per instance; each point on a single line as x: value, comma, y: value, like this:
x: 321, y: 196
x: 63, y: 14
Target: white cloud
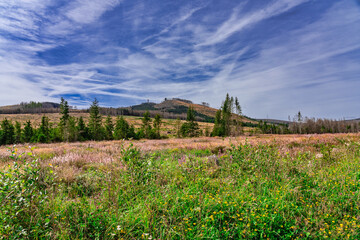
x: 15, y: 89
x: 85, y: 12
x: 21, y: 18
x: 236, y: 23
x: 185, y: 15
x: 274, y: 80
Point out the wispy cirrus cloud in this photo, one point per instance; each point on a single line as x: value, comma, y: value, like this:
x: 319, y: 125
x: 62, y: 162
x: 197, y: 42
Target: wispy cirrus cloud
x: 26, y: 28
x: 184, y: 15
x: 84, y: 12
x: 277, y: 58
x: 239, y: 20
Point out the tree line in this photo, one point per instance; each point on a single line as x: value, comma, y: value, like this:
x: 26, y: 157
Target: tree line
x: 301, y: 125
x: 228, y: 122
x: 49, y: 107
x: 71, y: 129
x: 305, y: 125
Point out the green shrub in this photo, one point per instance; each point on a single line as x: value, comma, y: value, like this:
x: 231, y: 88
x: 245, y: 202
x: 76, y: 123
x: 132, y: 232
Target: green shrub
x: 23, y: 193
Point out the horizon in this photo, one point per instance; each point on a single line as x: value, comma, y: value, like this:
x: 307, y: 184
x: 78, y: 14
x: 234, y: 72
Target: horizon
x: 278, y: 58
x: 196, y: 103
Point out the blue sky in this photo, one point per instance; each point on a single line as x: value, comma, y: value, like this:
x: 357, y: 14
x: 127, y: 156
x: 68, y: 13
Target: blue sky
x: 276, y: 56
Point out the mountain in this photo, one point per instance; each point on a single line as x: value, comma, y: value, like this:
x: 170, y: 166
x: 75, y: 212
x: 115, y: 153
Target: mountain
x: 171, y: 108
x: 176, y: 107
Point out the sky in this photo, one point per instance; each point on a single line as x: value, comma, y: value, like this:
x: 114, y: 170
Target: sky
x: 277, y: 56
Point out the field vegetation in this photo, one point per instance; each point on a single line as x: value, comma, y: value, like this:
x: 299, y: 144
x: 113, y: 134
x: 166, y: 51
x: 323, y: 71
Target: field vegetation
x: 261, y: 187
x: 69, y: 126
x: 168, y: 125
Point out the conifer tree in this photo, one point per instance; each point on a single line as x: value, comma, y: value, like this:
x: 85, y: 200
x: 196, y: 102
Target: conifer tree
x: 8, y: 134
x: 72, y: 131
x: 146, y: 127
x: 17, y: 132
x: 223, y: 118
x: 64, y: 125
x: 190, y: 117
x: 218, y: 129
x: 95, y: 121
x: 82, y: 130
x: 157, y: 125
x: 44, y: 130
x: 109, y: 128
x: 190, y: 128
x: 122, y: 129
x: 226, y: 115
x: 28, y: 133
x: 237, y: 106
x: 64, y: 110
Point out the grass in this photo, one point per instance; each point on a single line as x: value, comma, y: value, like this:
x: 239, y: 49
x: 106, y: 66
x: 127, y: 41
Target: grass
x: 265, y: 187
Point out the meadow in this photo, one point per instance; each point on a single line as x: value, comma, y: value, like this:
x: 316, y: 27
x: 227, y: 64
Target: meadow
x: 255, y: 187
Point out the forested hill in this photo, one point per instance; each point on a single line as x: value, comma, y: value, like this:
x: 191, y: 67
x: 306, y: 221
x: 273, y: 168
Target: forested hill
x: 171, y: 109
x: 31, y: 107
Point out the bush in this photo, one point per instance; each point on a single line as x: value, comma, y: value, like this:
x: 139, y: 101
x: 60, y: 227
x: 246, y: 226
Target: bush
x: 190, y: 129
x: 22, y: 195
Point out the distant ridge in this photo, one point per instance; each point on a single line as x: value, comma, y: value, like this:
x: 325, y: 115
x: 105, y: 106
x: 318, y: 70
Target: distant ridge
x: 274, y: 121
x: 31, y: 107
x: 177, y: 107
x: 171, y: 108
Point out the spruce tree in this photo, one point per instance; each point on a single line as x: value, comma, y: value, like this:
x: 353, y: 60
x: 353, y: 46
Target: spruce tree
x: 28, y: 133
x: 64, y: 121
x: 226, y: 115
x: 190, y: 128
x: 218, y: 129
x: 44, y: 130
x: 223, y: 118
x: 157, y: 125
x: 17, y: 132
x: 237, y: 106
x: 8, y: 133
x: 190, y: 117
x: 122, y: 129
x: 64, y: 110
x: 82, y: 130
x: 95, y: 121
x: 109, y: 128
x: 72, y: 131
x: 146, y: 127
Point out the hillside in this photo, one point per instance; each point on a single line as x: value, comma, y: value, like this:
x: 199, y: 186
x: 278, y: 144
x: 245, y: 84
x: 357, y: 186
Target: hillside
x: 176, y: 107
x: 169, y: 109
x: 31, y: 107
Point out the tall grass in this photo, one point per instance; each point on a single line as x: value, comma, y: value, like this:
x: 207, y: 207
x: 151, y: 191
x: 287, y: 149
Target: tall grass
x: 245, y: 192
